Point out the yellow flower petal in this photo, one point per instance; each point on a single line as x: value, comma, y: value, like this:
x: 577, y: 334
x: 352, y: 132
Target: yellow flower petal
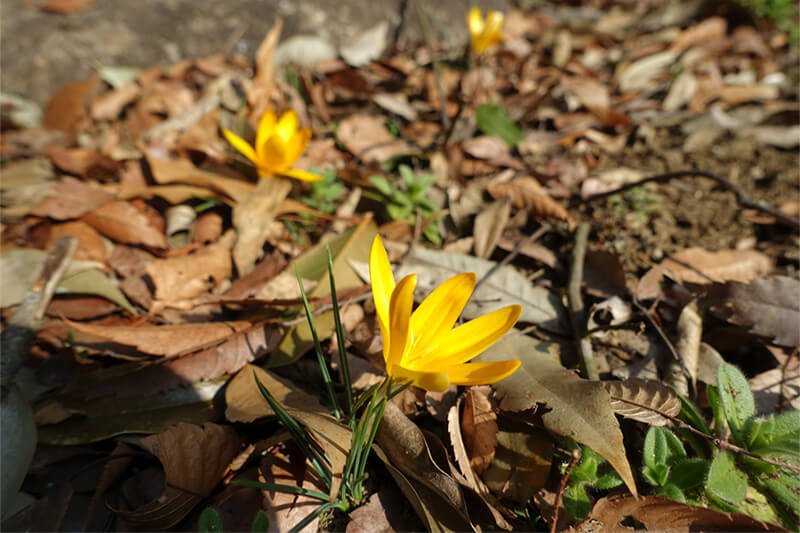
x: 382, y: 281
x: 302, y: 175
x: 481, y: 373
x: 475, y: 22
x: 273, y: 156
x: 436, y: 315
x: 297, y: 145
x: 466, y: 341
x: 287, y: 125
x: 240, y: 145
x: 430, y: 381
x: 266, y: 128
x: 399, y: 318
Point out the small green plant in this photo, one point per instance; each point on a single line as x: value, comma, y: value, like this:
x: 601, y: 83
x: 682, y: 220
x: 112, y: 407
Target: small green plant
x: 493, y: 120
x: 592, y: 472
x: 782, y: 12
x: 753, y: 466
x: 403, y: 203
x: 323, y: 194
x: 639, y: 200
x: 667, y: 466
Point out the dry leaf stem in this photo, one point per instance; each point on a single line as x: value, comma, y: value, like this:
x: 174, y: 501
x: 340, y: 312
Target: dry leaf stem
x: 743, y: 199
x: 26, y: 321
x: 576, y: 456
x: 577, y: 312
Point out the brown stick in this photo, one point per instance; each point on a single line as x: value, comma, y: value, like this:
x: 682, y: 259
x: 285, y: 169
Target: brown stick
x: 576, y: 456
x: 577, y: 313
x: 743, y: 199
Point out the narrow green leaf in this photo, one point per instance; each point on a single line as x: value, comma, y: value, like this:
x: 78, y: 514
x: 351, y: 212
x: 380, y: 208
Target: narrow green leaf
x: 323, y: 365
x: 348, y: 390
x: 382, y: 185
x: 725, y: 480
x: 655, y: 448
x: 277, y: 487
x: 737, y: 400
x: 210, y: 521
x: 492, y: 120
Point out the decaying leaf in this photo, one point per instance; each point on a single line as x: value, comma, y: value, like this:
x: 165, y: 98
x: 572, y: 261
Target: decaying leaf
x: 645, y: 400
x: 574, y: 407
x: 526, y: 193
x: 696, y: 265
x: 183, y: 171
x: 167, y: 340
x: 663, y: 514
x: 178, y: 279
x: 768, y: 307
x: 71, y: 198
x: 122, y: 222
x: 479, y: 428
x: 489, y: 226
x: 368, y: 139
x: 194, y: 459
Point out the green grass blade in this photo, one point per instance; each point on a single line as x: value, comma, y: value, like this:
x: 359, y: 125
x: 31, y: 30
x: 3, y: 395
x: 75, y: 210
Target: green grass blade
x: 315, y: 513
x: 340, y: 338
x: 277, y: 487
x: 312, y: 450
x: 326, y: 375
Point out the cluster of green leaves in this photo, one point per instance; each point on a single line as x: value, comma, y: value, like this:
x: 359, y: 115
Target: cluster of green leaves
x: 592, y: 472
x: 726, y: 478
x: 639, y: 200
x: 723, y: 466
x: 322, y: 194
x: 402, y: 203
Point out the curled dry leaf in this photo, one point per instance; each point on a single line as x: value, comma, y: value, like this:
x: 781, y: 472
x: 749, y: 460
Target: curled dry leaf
x: 663, y: 514
x: 696, y: 265
x: 91, y: 246
x: 526, y: 193
x: 489, y: 226
x: 183, y: 171
x: 194, y: 459
x: 178, y: 279
x: 768, y: 307
x: 479, y: 428
x: 165, y: 341
x: 369, y: 140
x: 123, y: 223
x: 645, y: 400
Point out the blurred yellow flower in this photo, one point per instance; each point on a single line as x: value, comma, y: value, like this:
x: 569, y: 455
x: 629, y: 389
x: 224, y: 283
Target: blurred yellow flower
x: 278, y: 145
x: 484, y: 33
x: 422, y: 347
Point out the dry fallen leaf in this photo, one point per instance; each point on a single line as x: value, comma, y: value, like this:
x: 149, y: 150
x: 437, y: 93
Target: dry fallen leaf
x: 369, y: 140
x: 696, y: 265
x: 526, y: 193
x: 489, y: 226
x: 768, y: 307
x: 165, y: 341
x: 70, y: 199
x: 194, y: 459
x: 179, y: 279
x: 643, y: 400
x: 663, y: 514
x: 124, y: 223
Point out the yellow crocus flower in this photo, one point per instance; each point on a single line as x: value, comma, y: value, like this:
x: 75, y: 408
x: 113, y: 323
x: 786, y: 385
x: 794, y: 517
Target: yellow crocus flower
x: 423, y: 347
x: 484, y: 33
x: 278, y: 145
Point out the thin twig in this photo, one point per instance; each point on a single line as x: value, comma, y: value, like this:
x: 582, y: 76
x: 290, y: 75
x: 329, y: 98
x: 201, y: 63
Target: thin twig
x: 577, y: 312
x: 743, y: 199
x: 510, y: 257
x: 576, y: 456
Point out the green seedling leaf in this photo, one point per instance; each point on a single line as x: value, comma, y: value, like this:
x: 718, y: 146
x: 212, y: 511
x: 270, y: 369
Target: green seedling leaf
x: 671, y: 491
x: 737, y: 401
x: 577, y: 502
x: 688, y: 472
x: 260, y: 523
x: 492, y: 120
x: 725, y: 480
x: 716, y: 408
x: 383, y: 186
x: 210, y: 521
